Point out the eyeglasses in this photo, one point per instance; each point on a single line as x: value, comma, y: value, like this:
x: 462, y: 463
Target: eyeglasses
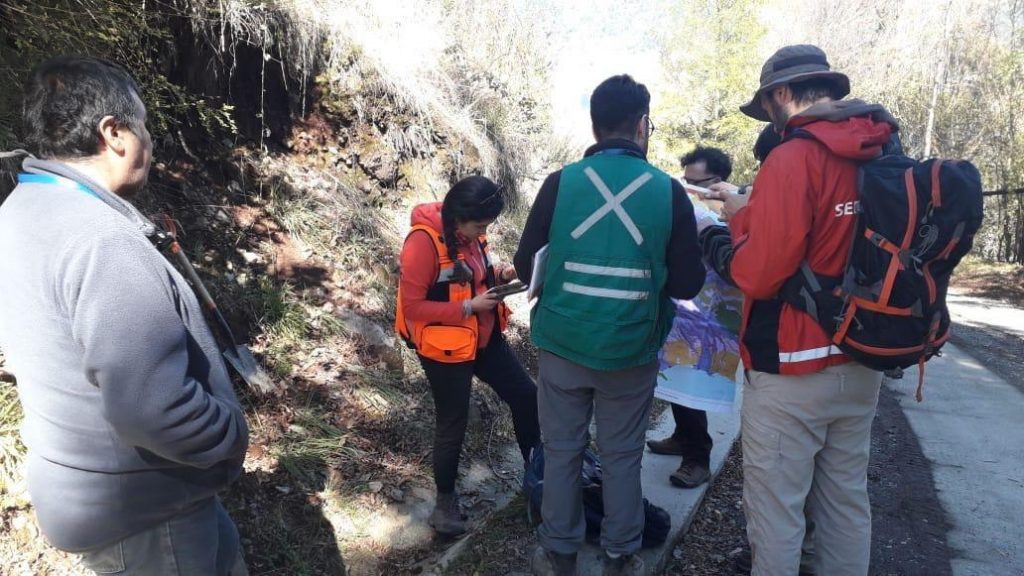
x: 650, y: 125
x: 695, y: 182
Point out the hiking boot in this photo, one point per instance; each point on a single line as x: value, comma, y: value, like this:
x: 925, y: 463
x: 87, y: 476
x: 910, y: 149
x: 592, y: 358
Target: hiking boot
x: 690, y: 475
x: 744, y: 563
x: 625, y: 565
x: 548, y: 563
x: 669, y: 446
x: 446, y: 518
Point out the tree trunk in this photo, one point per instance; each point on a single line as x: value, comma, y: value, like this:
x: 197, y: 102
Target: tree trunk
x: 940, y: 72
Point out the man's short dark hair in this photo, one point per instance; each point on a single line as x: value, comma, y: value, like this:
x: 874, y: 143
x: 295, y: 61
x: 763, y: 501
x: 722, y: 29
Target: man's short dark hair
x: 617, y: 105
x: 66, y: 98
x: 716, y: 162
x: 814, y: 89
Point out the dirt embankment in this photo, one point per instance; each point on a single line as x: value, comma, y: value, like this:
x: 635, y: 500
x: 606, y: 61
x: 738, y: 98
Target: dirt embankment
x: 296, y: 229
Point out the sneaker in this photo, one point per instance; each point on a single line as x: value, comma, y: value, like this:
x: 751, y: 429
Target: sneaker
x: 690, y: 475
x: 744, y: 563
x: 446, y: 519
x: 548, y: 563
x: 669, y: 446
x: 625, y: 565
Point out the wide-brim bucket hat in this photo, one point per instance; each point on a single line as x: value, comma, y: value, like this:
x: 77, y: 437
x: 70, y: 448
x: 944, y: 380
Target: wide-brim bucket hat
x: 793, y: 64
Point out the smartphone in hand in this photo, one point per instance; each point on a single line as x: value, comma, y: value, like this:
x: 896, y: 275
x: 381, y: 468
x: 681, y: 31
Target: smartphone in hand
x: 508, y: 289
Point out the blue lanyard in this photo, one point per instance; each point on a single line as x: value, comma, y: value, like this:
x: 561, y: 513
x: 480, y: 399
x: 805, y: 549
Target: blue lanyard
x: 26, y: 178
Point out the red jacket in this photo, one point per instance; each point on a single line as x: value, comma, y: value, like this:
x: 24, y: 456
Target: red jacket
x: 803, y: 207
x: 419, y: 272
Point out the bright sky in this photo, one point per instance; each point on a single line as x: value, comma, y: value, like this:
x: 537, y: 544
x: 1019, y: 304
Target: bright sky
x: 601, y: 38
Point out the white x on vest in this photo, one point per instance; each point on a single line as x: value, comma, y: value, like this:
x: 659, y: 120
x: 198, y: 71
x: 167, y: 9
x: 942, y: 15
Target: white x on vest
x: 612, y: 203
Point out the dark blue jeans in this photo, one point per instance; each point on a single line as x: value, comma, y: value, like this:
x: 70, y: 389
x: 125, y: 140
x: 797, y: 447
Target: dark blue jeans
x: 202, y: 541
x: 497, y: 366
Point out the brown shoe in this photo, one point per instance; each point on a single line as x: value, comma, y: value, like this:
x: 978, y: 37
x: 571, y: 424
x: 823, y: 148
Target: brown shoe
x: 446, y: 519
x: 690, y: 475
x: 668, y: 446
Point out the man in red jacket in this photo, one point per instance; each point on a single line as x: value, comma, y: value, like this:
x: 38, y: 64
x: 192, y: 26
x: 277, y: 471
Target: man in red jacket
x: 807, y: 408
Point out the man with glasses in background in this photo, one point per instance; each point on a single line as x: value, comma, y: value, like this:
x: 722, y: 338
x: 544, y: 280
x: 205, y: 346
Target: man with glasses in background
x: 705, y: 166
x: 701, y: 167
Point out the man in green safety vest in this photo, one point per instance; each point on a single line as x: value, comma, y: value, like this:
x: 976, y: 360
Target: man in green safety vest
x: 621, y: 243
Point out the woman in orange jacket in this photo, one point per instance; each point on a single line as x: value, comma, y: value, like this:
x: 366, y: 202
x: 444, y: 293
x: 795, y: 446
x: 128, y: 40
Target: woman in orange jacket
x: 446, y: 314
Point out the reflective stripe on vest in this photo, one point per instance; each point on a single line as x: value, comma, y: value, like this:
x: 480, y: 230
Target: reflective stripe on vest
x: 812, y: 354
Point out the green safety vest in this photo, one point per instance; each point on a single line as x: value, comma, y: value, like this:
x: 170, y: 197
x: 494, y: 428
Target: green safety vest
x: 603, y: 303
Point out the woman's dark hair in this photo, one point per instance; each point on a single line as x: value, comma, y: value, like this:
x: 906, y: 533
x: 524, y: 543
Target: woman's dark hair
x: 66, y: 98
x: 767, y: 140
x: 471, y: 199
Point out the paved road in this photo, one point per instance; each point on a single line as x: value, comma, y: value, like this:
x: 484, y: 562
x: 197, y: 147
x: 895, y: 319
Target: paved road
x: 992, y: 333
x: 969, y: 430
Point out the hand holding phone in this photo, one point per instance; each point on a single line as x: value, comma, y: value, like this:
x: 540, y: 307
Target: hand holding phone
x: 483, y: 302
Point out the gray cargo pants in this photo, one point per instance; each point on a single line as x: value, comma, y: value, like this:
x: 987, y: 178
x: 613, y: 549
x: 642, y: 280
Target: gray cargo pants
x: 568, y: 395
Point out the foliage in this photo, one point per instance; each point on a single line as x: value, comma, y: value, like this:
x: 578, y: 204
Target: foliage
x: 281, y: 319
x: 313, y: 441
x: 945, y: 69
x: 473, y: 73
x: 711, y: 61
x: 11, y: 448
x: 141, y: 40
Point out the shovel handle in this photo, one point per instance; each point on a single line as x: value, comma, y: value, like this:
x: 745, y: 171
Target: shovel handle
x: 223, y: 328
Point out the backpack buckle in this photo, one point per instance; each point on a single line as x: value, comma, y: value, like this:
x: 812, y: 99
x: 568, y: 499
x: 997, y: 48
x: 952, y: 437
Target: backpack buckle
x: 909, y: 260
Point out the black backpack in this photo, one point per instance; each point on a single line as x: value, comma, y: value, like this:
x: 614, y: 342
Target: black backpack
x: 915, y: 221
x: 657, y: 522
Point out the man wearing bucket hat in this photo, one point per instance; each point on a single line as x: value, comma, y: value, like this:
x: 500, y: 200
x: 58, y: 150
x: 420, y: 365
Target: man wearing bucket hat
x: 807, y: 408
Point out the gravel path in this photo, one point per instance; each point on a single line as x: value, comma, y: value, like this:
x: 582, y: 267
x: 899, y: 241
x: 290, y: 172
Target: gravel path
x: 718, y: 532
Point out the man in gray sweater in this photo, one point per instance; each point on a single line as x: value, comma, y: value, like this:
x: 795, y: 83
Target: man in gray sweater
x: 131, y: 422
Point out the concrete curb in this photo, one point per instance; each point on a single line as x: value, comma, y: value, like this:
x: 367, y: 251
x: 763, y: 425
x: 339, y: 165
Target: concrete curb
x: 681, y: 504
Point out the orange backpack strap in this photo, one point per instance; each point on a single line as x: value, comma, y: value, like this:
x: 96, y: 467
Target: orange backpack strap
x: 439, y: 245
x: 401, y: 325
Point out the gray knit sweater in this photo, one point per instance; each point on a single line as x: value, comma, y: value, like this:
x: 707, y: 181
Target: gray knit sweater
x: 130, y: 416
